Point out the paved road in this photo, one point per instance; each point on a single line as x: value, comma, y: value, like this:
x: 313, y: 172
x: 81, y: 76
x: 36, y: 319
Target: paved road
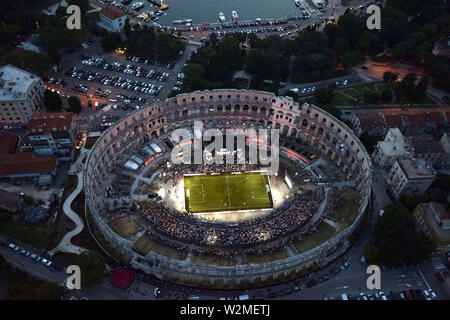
x: 22, y: 262
x: 352, y: 78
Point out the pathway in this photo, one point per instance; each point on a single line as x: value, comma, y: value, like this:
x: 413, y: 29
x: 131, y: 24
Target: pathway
x: 66, y: 245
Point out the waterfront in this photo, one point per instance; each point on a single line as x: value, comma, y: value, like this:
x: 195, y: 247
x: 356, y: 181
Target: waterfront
x: 208, y: 10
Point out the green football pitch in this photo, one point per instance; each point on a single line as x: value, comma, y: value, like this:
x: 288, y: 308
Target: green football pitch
x: 227, y: 192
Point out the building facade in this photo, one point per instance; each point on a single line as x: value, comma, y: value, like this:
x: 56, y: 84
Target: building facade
x: 425, y: 147
x: 445, y: 157
x: 372, y: 122
x: 11, y: 201
x: 410, y: 176
x: 21, y: 95
x: 434, y: 220
x: 52, y: 134
x: 393, y: 147
x: 112, y: 19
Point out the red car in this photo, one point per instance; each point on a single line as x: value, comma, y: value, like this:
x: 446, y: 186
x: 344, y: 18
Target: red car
x: 440, y: 276
x: 407, y: 295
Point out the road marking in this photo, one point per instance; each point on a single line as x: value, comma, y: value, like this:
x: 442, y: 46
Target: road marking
x: 428, y: 286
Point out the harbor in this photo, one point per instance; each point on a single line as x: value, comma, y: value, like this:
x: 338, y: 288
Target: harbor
x: 300, y: 15
x: 197, y: 12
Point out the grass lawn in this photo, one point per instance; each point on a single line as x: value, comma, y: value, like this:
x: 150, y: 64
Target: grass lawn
x: 325, y: 232
x: 125, y: 226
x: 240, y: 83
x: 353, y: 93
x: 144, y: 245
x: 226, y: 192
x: 346, y: 213
x: 366, y: 86
x: 34, y: 235
x: 218, y: 261
x: 267, y: 257
x: 90, y: 142
x: 338, y: 99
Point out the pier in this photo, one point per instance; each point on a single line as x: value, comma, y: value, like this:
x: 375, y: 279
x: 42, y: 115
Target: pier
x: 160, y: 4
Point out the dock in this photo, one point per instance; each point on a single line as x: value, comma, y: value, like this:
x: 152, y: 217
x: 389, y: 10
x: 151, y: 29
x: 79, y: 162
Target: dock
x: 160, y: 4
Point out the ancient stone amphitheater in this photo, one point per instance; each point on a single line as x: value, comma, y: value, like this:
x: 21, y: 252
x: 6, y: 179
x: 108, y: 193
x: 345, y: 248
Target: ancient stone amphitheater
x: 306, y: 122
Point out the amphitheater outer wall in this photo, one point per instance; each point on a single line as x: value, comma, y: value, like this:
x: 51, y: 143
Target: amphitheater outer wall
x: 307, y: 122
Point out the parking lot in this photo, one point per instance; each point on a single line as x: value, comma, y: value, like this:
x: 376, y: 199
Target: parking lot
x: 121, y: 75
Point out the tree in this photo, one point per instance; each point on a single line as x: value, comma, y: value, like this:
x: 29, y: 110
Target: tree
x: 410, y: 202
x: 127, y: 28
x: 350, y: 59
x: 323, y: 95
x: 396, y: 238
x: 83, y: 4
x: 341, y: 45
x: 92, y: 266
x: 389, y: 76
x: 368, y: 141
x: 111, y: 41
x: 386, y: 95
x: 256, y: 62
x: 213, y: 40
x: 421, y: 89
x: 48, y: 291
x: 74, y: 104
x: 52, y: 101
x: 371, y: 97
x: 193, y: 72
x: 406, y: 88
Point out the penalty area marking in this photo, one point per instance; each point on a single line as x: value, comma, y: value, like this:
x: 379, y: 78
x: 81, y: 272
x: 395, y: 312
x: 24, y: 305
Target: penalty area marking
x: 203, y: 193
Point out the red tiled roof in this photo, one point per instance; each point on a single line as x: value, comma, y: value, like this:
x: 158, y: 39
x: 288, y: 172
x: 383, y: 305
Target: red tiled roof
x: 6, y: 138
x: 112, y: 12
x: 122, y: 277
x: 26, y: 163
x: 414, y: 117
x: 434, y: 117
x: 43, y: 123
x: 393, y: 120
x: 424, y: 144
x: 371, y: 121
x: 414, y: 120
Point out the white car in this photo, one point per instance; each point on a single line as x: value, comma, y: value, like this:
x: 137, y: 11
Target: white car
x: 13, y: 247
x: 433, y: 295
x: 427, y: 295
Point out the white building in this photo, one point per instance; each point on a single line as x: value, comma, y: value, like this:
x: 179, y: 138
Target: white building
x: 393, y: 147
x: 410, y: 176
x: 445, y: 145
x: 21, y: 95
x: 112, y: 19
x: 52, y: 134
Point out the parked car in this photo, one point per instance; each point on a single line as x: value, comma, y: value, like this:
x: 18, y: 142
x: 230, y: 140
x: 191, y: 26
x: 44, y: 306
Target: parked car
x: 426, y: 294
x: 25, y: 252
x: 13, y: 247
x: 440, y: 276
